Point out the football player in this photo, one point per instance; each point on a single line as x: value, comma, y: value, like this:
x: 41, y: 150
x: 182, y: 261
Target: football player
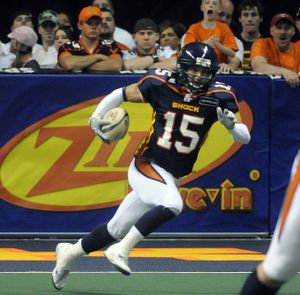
x: 185, y: 105
x: 282, y: 261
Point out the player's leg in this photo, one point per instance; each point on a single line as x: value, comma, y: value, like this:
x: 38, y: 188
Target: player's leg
x: 104, y: 234
x: 125, y: 217
x: 282, y: 261
x: 156, y: 188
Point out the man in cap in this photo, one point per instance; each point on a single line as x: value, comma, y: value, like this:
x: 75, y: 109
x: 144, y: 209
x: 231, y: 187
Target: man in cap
x: 90, y: 52
x: 23, y: 38
x: 278, y: 55
x: 46, y: 55
x: 148, y: 53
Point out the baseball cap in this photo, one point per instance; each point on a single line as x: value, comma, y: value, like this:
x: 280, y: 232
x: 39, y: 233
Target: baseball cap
x: 24, y: 35
x: 48, y: 16
x: 20, y: 12
x: 87, y: 12
x: 281, y: 16
x: 145, y: 24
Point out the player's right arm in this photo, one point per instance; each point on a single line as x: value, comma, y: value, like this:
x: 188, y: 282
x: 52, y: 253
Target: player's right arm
x: 112, y: 100
x: 117, y: 97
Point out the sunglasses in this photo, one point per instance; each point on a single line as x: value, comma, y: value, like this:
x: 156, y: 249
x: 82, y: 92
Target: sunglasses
x: 46, y: 25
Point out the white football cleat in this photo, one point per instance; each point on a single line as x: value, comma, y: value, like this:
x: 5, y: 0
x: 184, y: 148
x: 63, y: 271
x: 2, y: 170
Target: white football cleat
x: 61, y: 271
x: 59, y: 278
x: 118, y: 259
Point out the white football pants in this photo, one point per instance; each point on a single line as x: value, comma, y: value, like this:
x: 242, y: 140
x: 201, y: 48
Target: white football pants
x: 283, y: 257
x: 152, y: 186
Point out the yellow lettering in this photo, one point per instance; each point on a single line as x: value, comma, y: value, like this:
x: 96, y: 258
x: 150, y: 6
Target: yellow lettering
x: 232, y: 198
x: 186, y: 107
x: 195, y: 199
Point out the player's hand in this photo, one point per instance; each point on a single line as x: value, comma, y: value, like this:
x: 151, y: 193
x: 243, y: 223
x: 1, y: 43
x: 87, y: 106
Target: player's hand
x: 227, y: 118
x: 96, y: 122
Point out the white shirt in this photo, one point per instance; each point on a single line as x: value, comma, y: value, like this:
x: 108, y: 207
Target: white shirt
x: 6, y: 57
x: 164, y: 52
x: 124, y: 37
x: 240, y: 53
x: 46, y: 59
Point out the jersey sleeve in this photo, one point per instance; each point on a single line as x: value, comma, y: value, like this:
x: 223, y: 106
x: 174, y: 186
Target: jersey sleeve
x: 152, y: 84
x: 229, y: 100
x: 226, y: 96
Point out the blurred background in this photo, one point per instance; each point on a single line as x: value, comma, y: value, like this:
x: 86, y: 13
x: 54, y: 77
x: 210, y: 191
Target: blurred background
x: 128, y: 11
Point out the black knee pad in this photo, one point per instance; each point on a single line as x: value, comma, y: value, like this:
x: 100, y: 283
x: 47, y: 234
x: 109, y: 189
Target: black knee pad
x: 152, y: 219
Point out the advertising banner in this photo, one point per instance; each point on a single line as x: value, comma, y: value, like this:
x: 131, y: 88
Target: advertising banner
x: 285, y: 134
x: 57, y: 177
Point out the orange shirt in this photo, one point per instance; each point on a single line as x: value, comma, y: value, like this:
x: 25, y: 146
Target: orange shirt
x: 197, y: 33
x: 266, y: 47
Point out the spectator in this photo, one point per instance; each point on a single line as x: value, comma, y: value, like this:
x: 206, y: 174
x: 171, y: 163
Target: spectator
x: 225, y: 16
x: 297, y: 21
x: 89, y: 52
x: 250, y: 14
x: 21, y: 17
x: 148, y: 53
x: 7, y: 54
x: 23, y: 38
x: 64, y: 20
x: 62, y: 36
x: 171, y: 33
x: 277, y: 55
x: 120, y: 35
x: 46, y: 55
x: 213, y: 32
x: 108, y: 27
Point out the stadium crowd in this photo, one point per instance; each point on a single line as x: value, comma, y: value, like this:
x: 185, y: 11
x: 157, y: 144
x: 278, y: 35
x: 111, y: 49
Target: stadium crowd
x: 91, y: 41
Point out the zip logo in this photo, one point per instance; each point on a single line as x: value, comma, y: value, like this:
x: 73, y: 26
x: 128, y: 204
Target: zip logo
x: 58, y: 164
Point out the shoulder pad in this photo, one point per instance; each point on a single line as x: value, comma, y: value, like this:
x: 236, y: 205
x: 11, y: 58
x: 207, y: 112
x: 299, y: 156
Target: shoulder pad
x: 225, y: 94
x: 160, y: 76
x: 220, y: 86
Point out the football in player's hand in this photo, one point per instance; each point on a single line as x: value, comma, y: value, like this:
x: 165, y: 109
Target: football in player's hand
x: 118, y: 126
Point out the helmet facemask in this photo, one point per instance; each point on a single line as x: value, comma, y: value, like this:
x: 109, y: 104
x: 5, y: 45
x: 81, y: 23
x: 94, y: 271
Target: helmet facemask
x: 197, y: 76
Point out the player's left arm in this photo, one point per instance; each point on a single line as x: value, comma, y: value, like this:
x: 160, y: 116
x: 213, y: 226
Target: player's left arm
x: 238, y: 130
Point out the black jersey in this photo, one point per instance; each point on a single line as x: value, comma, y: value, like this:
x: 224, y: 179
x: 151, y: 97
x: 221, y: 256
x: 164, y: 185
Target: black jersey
x: 180, y: 121
x: 105, y: 47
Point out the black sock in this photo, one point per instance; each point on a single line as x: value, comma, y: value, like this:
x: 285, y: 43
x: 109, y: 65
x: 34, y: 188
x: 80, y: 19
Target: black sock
x: 253, y: 286
x: 97, y: 239
x: 152, y: 219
